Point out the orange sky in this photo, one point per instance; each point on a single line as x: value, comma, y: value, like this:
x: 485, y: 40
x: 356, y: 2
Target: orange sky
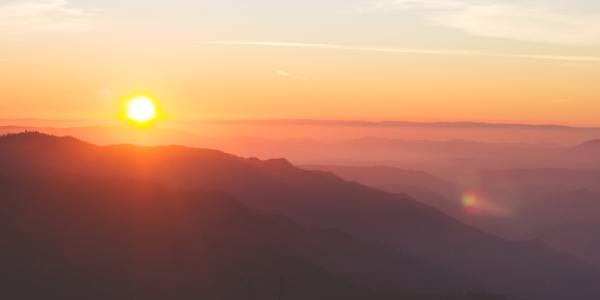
x: 83, y: 58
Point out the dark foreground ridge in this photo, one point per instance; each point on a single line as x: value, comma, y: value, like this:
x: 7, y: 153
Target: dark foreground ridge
x: 125, y: 222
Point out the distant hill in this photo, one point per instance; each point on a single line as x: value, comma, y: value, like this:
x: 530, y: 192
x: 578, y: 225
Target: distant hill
x: 544, y: 178
x: 580, y: 238
x: 539, y: 199
x: 442, y: 156
x: 421, y: 186
x: 386, y: 176
x: 592, y: 145
x: 322, y: 200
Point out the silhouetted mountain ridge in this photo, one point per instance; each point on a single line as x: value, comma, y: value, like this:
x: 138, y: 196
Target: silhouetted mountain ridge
x: 323, y: 200
x: 65, y: 203
x: 139, y: 241
x: 36, y: 138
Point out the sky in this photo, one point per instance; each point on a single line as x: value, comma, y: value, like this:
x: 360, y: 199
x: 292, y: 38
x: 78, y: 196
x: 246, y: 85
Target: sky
x: 518, y: 61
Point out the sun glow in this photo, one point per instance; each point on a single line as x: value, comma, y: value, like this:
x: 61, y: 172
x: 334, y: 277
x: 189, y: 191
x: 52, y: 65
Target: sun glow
x: 141, y: 110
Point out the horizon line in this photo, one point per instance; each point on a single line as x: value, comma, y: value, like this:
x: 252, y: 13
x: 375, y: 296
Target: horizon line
x: 395, y: 123
x: 13, y: 122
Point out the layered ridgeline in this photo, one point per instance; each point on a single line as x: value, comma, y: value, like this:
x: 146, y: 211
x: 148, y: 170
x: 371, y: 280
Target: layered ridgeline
x: 71, y: 209
x: 557, y: 206
x: 90, y: 237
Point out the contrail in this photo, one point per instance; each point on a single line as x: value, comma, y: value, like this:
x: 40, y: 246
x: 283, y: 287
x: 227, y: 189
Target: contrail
x: 400, y: 50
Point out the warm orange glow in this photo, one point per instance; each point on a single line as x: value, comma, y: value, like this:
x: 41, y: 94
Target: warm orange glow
x: 141, y: 110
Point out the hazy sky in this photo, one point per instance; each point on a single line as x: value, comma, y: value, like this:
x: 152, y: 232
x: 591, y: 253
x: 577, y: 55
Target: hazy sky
x: 482, y: 60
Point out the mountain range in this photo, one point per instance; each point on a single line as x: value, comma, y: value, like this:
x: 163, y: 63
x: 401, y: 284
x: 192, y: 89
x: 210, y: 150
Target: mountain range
x: 377, y: 241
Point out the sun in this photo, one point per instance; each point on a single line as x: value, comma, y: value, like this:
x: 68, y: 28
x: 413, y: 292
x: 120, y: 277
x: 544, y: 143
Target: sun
x: 141, y: 110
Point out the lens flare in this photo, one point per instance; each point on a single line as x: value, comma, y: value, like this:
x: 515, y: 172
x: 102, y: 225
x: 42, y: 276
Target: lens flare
x: 476, y: 203
x: 469, y: 199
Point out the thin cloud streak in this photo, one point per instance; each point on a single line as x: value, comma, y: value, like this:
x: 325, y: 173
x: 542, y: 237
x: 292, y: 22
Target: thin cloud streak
x: 273, y: 44
x: 338, y: 47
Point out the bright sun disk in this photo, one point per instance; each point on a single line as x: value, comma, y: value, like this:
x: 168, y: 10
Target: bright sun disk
x: 141, y: 109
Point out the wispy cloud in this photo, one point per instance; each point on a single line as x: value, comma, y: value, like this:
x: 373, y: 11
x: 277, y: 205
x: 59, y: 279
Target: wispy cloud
x: 283, y: 73
x: 41, y: 16
x: 399, y: 50
x: 526, y: 20
x: 286, y: 74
